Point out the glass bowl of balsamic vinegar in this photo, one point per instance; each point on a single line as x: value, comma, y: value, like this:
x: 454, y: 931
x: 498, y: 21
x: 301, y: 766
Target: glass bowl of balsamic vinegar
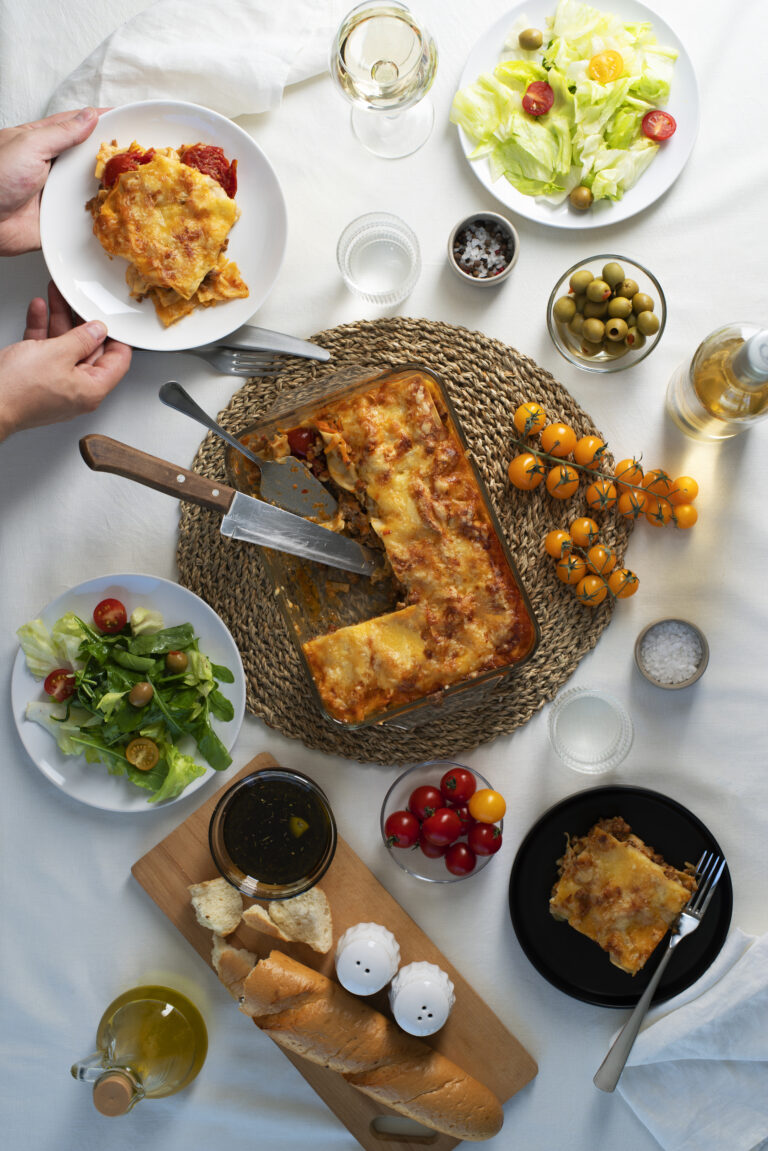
x: 272, y: 834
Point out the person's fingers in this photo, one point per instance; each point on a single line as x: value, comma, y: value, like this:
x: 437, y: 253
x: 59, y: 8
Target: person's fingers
x: 111, y: 366
x: 60, y: 320
x: 37, y: 320
x: 56, y: 137
x: 80, y: 341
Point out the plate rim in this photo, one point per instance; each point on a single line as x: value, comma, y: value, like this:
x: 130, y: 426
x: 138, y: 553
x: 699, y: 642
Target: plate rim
x: 163, y: 340
x: 20, y: 696
x: 516, y: 201
x: 628, y: 1000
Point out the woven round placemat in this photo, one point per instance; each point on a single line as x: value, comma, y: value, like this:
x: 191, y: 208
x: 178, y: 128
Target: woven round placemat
x: 486, y: 382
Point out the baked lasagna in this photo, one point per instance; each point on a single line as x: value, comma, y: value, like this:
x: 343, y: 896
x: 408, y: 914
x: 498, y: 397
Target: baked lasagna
x: 619, y: 892
x: 169, y: 212
x: 404, y: 481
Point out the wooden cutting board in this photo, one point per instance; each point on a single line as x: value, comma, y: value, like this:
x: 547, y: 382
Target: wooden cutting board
x: 473, y: 1037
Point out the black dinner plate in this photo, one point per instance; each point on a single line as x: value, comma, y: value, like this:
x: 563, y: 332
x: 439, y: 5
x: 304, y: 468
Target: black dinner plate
x: 570, y: 961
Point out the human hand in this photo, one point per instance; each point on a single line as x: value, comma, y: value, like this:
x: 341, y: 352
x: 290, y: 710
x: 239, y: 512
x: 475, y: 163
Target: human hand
x: 26, y: 152
x: 59, y: 370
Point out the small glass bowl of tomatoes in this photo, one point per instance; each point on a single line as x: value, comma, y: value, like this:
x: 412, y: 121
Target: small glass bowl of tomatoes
x: 606, y: 313
x: 428, y: 826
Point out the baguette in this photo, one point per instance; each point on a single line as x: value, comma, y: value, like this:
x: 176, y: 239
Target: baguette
x: 314, y: 1017
x: 305, y: 918
x: 218, y: 906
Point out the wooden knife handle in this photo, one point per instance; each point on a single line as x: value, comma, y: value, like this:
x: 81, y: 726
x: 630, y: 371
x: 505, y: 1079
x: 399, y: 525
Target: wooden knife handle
x: 103, y: 454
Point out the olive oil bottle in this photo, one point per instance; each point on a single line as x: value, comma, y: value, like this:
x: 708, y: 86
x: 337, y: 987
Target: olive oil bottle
x: 151, y: 1042
x: 724, y: 388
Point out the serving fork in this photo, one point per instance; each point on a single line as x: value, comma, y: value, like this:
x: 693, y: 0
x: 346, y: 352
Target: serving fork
x: 708, y: 871
x: 239, y: 362
x: 252, y: 351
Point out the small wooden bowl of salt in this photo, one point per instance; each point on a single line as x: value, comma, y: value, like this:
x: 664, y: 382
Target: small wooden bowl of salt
x: 671, y: 653
x: 483, y: 249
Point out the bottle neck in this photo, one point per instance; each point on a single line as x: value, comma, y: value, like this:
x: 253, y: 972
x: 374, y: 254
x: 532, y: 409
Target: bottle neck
x: 750, y: 361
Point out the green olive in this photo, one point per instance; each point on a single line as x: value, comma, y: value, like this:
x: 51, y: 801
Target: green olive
x: 581, y: 198
x: 627, y: 288
x: 140, y: 694
x: 588, y: 348
x: 564, y: 309
x: 580, y: 279
x: 641, y: 302
x: 593, y: 330
x: 576, y: 324
x: 598, y: 290
x: 634, y: 337
x: 176, y: 661
x: 620, y: 307
x: 613, y: 273
x: 616, y: 329
x: 647, y: 323
x: 593, y: 308
x: 580, y: 301
x: 530, y: 39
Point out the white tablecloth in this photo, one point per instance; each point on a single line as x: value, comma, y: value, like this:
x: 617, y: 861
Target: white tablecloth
x: 77, y: 930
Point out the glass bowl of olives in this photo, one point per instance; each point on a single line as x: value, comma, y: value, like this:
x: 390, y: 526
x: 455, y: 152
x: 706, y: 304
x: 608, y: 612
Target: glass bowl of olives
x: 606, y: 313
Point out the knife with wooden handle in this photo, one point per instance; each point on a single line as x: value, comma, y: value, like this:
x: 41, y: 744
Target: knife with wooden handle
x: 244, y: 518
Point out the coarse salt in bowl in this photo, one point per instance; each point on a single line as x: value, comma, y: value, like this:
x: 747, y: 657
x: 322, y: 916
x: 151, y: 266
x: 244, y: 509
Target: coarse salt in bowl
x: 483, y: 249
x: 671, y: 653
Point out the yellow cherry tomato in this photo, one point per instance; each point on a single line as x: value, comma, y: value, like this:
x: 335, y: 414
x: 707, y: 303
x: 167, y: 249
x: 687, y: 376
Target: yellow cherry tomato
x: 623, y: 583
x: 571, y: 569
x: 557, y: 543
x: 658, y: 482
x: 601, y: 560
x: 487, y: 805
x: 601, y: 496
x: 606, y: 66
x: 589, y: 450
x: 685, y: 516
x: 592, y: 590
x: 529, y: 418
x: 628, y: 472
x: 684, y: 490
x: 584, y: 532
x: 562, y: 481
x: 525, y: 471
x: 658, y: 511
x: 558, y: 439
x: 142, y: 753
x: 631, y: 504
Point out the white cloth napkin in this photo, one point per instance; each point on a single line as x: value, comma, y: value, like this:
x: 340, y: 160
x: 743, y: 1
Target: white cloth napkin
x: 697, y: 1075
x: 235, y: 58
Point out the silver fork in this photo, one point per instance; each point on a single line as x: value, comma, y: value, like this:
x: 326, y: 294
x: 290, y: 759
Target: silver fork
x: 238, y: 362
x: 708, y: 871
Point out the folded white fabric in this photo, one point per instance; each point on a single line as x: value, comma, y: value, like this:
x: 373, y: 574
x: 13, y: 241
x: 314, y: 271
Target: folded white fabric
x: 235, y: 58
x: 698, y: 1074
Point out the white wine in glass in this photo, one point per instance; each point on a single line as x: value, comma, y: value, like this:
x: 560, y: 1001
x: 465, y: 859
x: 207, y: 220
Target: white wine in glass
x: 384, y: 60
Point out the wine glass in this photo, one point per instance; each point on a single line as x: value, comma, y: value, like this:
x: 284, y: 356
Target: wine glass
x: 384, y: 60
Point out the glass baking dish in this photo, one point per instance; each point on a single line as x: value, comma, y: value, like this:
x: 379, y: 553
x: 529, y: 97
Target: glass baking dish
x: 315, y: 599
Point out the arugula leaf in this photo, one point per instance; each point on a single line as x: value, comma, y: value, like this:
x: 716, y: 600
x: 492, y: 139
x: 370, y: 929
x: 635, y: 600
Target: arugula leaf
x: 161, y: 642
x: 221, y: 673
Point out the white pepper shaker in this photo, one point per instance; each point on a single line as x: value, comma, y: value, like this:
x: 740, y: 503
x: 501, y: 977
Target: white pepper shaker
x: 421, y: 998
x: 367, y: 956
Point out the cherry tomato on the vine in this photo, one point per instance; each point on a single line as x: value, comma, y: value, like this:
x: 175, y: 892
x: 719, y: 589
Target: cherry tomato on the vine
x: 684, y: 490
x: 539, y: 98
x: 558, y: 439
x: 684, y: 516
x: 658, y: 511
x: 623, y: 583
x: 631, y: 504
x: 460, y: 859
x: 525, y: 471
x: 424, y: 801
x: 627, y: 472
x: 484, y: 838
x: 592, y: 590
x: 584, y: 532
x: 589, y: 450
x: 601, y: 495
x: 600, y: 560
x: 529, y: 418
x: 401, y: 829
x: 457, y: 785
x: 557, y: 543
x: 562, y: 481
x: 110, y: 616
x: 570, y: 569
x: 60, y: 684
x: 442, y: 827
x: 487, y: 805
x: 658, y: 482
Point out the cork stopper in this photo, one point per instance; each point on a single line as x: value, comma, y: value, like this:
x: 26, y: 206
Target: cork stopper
x: 113, y: 1093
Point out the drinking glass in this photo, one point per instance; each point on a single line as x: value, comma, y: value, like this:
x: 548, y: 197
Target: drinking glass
x: 384, y: 60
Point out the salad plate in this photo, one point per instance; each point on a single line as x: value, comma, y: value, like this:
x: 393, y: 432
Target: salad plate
x: 95, y: 286
x: 667, y: 164
x: 91, y: 783
x: 572, y: 962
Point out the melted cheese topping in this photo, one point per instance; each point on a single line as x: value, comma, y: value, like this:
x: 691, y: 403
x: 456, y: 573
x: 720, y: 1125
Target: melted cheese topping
x: 619, y: 893
x: 171, y: 222
x: 465, y: 615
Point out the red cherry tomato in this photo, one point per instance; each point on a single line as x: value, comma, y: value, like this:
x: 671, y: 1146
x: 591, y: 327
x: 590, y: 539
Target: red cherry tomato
x: 460, y: 859
x: 60, y: 684
x: 300, y: 440
x: 538, y: 98
x: 431, y: 850
x: 110, y: 616
x: 211, y: 161
x: 124, y: 162
x: 658, y: 125
x: 425, y: 801
x: 457, y: 785
x: 401, y: 829
x: 467, y: 819
x: 442, y: 828
x: 484, y: 838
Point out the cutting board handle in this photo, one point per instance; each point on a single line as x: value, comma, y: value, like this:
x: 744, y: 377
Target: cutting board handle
x: 103, y: 454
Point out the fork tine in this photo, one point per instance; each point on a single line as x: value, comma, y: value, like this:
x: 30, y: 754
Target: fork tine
x: 708, y: 881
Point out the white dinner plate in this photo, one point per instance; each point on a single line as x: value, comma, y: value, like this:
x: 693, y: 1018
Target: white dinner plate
x: 94, y: 285
x: 91, y: 783
x: 667, y: 165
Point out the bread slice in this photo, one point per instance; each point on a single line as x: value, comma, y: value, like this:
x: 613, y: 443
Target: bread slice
x: 232, y: 965
x: 304, y: 919
x: 218, y: 905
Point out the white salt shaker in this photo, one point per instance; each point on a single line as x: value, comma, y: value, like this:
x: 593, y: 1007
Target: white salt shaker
x: 421, y: 998
x: 367, y: 956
